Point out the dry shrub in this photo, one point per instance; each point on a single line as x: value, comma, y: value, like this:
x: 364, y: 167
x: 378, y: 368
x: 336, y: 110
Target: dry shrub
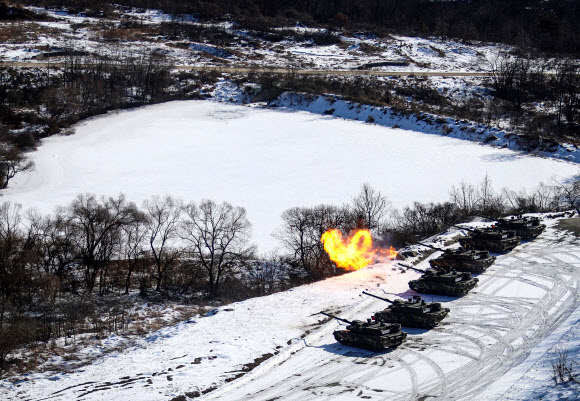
x: 122, y: 34
x: 563, y: 366
x: 16, y: 32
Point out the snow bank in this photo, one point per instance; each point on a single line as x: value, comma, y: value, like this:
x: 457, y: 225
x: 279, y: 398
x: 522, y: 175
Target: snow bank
x: 421, y: 122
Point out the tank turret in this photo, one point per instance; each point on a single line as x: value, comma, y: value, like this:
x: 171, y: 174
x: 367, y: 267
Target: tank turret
x: 369, y: 335
x: 463, y: 260
x: 432, y: 247
x: 414, y: 312
x: 444, y: 282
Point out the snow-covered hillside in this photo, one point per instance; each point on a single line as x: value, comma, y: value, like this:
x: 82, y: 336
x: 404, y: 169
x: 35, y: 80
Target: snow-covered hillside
x: 247, y: 48
x: 277, y: 347
x: 264, y: 160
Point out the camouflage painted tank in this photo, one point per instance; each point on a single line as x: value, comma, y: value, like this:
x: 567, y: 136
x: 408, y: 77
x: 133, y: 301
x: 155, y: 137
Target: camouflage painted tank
x: 444, y: 282
x: 490, y: 239
x: 525, y: 228
x: 414, y: 312
x: 372, y: 336
x: 462, y: 259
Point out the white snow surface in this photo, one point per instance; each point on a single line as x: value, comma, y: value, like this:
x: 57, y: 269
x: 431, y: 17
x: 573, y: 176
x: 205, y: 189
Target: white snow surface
x: 262, y: 159
x: 423, y: 122
x: 488, y: 336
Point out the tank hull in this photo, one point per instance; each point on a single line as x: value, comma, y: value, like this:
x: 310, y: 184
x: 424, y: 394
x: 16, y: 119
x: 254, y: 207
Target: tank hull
x: 463, y: 265
x: 457, y: 289
x: 369, y: 342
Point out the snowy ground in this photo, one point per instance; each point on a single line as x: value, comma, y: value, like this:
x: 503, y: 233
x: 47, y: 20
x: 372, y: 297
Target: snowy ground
x: 492, y: 342
x: 264, y: 160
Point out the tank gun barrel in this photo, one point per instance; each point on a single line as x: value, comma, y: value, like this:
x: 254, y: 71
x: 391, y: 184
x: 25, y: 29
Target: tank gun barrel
x: 376, y: 296
x: 432, y: 247
x: 463, y: 228
x: 335, y: 317
x: 412, y: 268
x: 488, y: 218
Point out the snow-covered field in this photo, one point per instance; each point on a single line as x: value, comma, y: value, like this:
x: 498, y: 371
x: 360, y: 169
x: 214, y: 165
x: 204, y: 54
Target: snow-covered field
x: 264, y: 160
x: 488, y: 348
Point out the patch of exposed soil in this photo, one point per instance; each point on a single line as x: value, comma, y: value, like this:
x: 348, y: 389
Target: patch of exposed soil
x: 572, y: 225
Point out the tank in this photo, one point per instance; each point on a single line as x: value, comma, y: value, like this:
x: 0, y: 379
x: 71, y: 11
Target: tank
x: 373, y: 336
x: 444, y: 282
x: 525, y: 228
x: 414, y: 312
x: 490, y: 239
x: 461, y: 259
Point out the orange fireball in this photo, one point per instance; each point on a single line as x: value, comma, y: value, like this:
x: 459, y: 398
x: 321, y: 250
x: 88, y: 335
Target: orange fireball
x: 352, y: 256
x: 354, y: 253
x: 387, y: 253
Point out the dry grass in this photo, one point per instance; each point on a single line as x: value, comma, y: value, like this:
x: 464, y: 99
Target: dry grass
x: 21, y: 32
x: 39, y: 357
x: 17, y: 32
x: 122, y: 34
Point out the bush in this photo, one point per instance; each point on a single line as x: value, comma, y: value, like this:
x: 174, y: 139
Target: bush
x: 563, y: 366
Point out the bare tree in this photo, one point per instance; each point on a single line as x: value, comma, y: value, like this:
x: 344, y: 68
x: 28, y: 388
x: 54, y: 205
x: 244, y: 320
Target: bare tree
x: 512, y: 77
x: 53, y: 241
x: 12, y: 162
x: 373, y: 205
x: 569, y: 193
x: 567, y: 85
x: 542, y: 199
x: 219, y: 239
x: 489, y: 203
x: 163, y: 216
x: 97, y: 227
x: 15, y: 279
x: 11, y: 237
x: 133, y: 246
x: 464, y: 197
x: 295, y: 234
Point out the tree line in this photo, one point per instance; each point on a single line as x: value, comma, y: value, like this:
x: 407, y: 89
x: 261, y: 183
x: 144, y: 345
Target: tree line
x: 303, y: 226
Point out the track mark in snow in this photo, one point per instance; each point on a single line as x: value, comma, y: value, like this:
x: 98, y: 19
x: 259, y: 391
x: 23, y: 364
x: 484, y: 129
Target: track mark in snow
x: 487, y: 332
